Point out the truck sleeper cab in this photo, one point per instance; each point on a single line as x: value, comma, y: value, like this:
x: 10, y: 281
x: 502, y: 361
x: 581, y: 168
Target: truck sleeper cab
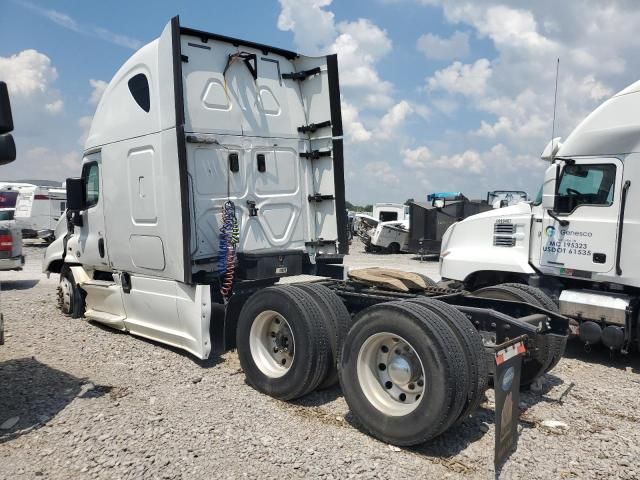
x: 213, y: 168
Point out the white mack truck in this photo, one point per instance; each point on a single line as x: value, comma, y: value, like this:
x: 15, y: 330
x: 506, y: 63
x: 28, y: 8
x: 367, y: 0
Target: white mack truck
x: 577, y: 240
x: 214, y: 167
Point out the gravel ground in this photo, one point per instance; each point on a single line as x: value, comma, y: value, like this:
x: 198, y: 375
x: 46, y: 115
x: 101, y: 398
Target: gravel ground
x: 89, y: 402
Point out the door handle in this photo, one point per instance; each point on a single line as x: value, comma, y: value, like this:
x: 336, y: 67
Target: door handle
x: 101, y: 247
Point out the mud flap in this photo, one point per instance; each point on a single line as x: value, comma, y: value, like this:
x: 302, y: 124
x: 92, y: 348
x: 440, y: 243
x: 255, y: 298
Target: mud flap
x: 508, y: 358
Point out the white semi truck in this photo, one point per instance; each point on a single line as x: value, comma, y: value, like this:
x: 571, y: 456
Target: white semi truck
x: 214, y: 167
x: 577, y: 240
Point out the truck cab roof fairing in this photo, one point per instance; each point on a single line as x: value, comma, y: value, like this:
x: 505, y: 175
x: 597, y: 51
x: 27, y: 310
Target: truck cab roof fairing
x: 118, y: 115
x: 611, y: 129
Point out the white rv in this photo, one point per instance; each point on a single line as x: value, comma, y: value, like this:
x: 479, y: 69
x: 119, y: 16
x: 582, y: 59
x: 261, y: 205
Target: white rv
x: 214, y: 167
x: 391, y: 212
x: 38, y: 209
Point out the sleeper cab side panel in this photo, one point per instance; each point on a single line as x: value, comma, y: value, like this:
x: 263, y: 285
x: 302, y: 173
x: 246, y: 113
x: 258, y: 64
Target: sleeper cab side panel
x: 142, y: 205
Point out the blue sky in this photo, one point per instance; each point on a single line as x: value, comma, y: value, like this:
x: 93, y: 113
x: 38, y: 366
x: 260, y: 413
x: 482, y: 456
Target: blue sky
x: 438, y: 95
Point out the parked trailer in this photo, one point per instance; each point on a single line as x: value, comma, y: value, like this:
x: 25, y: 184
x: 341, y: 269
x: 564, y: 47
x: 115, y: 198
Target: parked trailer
x: 38, y: 209
x: 245, y: 156
x: 429, y: 221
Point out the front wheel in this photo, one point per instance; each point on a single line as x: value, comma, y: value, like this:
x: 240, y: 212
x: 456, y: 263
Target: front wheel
x: 70, y: 298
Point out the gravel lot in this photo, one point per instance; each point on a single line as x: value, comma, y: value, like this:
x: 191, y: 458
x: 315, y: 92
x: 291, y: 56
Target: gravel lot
x: 89, y: 402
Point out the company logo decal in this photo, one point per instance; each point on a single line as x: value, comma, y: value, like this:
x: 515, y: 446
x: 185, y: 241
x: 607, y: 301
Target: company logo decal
x: 550, y: 231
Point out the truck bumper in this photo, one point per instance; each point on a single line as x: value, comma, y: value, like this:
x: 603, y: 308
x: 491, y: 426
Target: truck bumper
x: 14, y: 263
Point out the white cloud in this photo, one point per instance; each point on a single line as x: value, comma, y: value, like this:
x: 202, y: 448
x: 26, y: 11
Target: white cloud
x: 99, y: 86
x: 48, y: 163
x: 465, y: 79
x: 438, y: 48
x: 394, y: 118
x: 312, y: 26
x: 469, y: 160
x: 85, y: 125
x: 422, y: 159
x: 35, y: 103
x: 66, y: 21
x: 27, y: 73
x: 383, y: 172
x: 417, y: 158
x: 54, y: 107
x: 360, y: 45
x: 354, y: 129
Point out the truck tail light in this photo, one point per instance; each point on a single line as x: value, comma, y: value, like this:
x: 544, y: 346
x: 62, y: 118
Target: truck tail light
x: 6, y: 242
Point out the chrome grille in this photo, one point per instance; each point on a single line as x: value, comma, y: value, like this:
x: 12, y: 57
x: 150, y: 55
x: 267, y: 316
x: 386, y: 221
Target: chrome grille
x: 503, y: 235
x: 504, y: 229
x: 502, y: 241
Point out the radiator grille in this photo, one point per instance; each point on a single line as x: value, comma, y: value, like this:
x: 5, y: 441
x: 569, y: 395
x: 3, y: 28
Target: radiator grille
x: 504, y: 229
x: 503, y: 235
x: 500, y: 241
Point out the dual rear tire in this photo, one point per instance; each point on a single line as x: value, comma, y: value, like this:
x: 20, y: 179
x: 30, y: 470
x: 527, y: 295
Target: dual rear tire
x: 547, y: 355
x: 409, y: 370
x: 409, y: 380
x: 288, y: 339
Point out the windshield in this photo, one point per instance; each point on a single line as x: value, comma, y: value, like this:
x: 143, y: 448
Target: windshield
x: 6, y: 214
x: 8, y: 199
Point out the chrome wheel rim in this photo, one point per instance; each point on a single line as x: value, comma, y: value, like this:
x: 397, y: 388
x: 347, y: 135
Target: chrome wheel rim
x: 391, y: 374
x: 272, y: 344
x: 65, y: 291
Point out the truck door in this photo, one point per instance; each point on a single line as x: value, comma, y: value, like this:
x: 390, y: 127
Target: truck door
x: 91, y: 242
x: 588, y: 198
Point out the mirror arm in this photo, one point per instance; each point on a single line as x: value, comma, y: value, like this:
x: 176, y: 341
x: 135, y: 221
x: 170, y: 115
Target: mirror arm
x: 563, y: 223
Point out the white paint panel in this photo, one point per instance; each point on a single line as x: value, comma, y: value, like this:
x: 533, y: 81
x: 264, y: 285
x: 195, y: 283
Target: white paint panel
x: 142, y: 185
x: 237, y: 103
x: 215, y: 96
x: 279, y: 220
x: 147, y: 252
x: 281, y: 175
x: 170, y: 312
x: 213, y: 175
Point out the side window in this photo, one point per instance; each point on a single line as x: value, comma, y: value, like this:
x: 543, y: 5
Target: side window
x: 91, y: 177
x: 585, y: 185
x: 388, y: 216
x: 139, y: 88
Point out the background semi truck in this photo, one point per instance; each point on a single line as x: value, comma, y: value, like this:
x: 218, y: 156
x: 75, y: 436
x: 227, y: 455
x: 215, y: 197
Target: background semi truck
x: 214, y: 167
x: 578, y: 240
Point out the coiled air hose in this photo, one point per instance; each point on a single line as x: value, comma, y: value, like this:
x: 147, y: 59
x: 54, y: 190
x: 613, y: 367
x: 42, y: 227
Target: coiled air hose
x: 229, y: 239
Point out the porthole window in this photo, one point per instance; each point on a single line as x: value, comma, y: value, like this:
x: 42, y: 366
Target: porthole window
x: 139, y: 88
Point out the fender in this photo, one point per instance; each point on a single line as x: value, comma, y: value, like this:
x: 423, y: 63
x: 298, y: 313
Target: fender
x: 497, y: 240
